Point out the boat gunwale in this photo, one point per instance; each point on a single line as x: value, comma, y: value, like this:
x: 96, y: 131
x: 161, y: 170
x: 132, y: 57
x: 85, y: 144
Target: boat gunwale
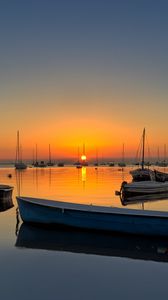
x: 146, y: 184
x: 6, y: 188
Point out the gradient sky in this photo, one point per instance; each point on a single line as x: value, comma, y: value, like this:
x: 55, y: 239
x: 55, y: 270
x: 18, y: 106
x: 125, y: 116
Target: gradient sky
x: 92, y: 71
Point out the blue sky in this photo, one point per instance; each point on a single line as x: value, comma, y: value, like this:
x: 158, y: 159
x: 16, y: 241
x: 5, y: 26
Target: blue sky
x: 75, y: 32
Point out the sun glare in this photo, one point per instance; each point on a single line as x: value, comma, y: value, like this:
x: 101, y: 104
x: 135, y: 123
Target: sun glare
x: 83, y: 157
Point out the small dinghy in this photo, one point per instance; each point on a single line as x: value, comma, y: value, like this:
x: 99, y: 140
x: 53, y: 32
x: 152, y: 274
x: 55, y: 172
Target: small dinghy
x: 5, y: 192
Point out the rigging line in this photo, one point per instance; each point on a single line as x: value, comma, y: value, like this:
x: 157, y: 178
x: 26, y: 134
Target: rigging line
x: 139, y: 150
x: 149, y: 152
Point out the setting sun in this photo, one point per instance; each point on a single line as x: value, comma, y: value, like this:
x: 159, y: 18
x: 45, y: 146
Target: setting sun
x: 83, y: 157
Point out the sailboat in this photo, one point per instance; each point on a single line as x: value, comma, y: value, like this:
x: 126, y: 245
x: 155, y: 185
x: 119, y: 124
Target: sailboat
x: 142, y: 173
x: 19, y: 165
x: 35, y: 164
x: 78, y: 164
x: 163, y: 163
x: 122, y: 163
x: 40, y: 164
x: 50, y: 163
x: 145, y: 174
x: 146, y: 182
x: 134, y: 190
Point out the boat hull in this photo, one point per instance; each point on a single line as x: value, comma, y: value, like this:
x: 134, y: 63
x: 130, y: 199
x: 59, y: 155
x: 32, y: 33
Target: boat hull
x: 142, y: 175
x: 5, y: 193
x: 143, y: 198
x: 143, y: 188
x: 149, y: 175
x: 20, y: 166
x: 92, y: 218
x: 161, y: 176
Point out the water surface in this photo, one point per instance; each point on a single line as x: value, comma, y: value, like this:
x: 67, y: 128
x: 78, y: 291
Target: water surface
x: 38, y: 263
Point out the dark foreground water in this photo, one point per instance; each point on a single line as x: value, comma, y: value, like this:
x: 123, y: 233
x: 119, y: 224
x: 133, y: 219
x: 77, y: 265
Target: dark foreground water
x: 38, y: 263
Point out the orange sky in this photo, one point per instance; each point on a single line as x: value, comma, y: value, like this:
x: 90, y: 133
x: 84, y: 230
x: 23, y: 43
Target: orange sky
x: 101, y: 121
x: 99, y: 135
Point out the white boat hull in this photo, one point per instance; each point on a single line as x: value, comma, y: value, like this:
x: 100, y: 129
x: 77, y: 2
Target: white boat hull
x: 143, y: 188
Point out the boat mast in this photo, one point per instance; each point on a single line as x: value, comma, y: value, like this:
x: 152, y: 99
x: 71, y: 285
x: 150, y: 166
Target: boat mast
x: 158, y: 154
x: 97, y: 160
x: 165, y: 153
x: 20, y: 153
x: 143, y: 149
x: 83, y: 149
x: 36, y: 154
x: 49, y: 154
x: 17, y: 148
x: 78, y: 155
x: 123, y: 154
x: 33, y: 157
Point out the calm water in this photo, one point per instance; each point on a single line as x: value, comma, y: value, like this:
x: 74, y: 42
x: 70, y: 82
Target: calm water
x: 37, y: 263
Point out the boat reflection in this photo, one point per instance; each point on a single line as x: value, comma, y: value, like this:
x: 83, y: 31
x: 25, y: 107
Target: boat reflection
x: 143, y: 198
x: 6, y: 204
x: 96, y: 243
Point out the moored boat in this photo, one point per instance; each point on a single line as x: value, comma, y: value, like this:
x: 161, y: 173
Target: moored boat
x: 143, y: 198
x: 142, y: 173
x: 146, y: 174
x: 50, y: 163
x: 143, y: 188
x: 162, y: 164
x: 78, y: 166
x: 78, y: 162
x: 5, y: 192
x: 60, y: 164
x: 19, y: 164
x: 49, y: 212
x: 122, y: 163
x: 111, y: 164
x: 149, y: 175
x: 42, y: 164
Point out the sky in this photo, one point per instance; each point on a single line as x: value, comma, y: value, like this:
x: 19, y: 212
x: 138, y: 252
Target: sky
x: 74, y: 72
